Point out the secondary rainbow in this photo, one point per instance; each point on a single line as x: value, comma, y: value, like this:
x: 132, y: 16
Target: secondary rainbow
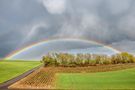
x: 17, y: 52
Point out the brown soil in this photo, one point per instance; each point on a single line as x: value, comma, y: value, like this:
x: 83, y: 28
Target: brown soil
x: 44, y: 77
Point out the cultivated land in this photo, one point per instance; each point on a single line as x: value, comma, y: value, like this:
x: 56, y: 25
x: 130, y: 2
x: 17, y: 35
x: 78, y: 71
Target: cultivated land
x: 11, y: 69
x: 119, y: 76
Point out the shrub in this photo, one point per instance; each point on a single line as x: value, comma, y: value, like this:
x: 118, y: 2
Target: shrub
x: 92, y: 63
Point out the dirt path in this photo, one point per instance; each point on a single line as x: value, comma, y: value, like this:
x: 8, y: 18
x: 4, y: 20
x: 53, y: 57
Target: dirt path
x: 5, y: 85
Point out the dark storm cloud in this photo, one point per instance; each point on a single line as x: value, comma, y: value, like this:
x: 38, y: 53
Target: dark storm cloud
x: 25, y: 21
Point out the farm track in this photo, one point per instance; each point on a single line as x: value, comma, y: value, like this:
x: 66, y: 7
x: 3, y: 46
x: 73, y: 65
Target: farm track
x: 44, y: 78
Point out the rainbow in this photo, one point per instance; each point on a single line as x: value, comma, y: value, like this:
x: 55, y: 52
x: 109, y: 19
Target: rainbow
x: 17, y: 52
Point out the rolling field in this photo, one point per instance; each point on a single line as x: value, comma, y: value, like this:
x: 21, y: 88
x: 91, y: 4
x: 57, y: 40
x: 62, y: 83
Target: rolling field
x: 11, y: 69
x: 124, y: 79
x: 121, y: 76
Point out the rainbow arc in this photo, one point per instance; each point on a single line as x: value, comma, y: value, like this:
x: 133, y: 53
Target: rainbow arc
x: 17, y: 52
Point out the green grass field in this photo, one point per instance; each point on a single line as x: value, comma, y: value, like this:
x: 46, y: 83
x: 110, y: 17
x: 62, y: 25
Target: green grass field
x: 11, y: 69
x: 124, y: 79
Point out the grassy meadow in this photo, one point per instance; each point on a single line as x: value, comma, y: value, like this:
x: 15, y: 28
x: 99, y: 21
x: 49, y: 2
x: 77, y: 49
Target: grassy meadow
x: 123, y: 79
x: 10, y: 69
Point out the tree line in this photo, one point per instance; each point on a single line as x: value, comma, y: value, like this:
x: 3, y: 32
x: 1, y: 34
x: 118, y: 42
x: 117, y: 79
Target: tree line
x: 73, y: 60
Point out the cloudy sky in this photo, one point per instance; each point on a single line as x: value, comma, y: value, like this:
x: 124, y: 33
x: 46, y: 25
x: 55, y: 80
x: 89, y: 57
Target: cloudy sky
x: 23, y: 22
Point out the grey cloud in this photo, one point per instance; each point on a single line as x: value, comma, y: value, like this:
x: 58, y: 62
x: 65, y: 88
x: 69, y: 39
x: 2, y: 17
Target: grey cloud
x: 117, y: 8
x: 54, y: 6
x: 107, y: 21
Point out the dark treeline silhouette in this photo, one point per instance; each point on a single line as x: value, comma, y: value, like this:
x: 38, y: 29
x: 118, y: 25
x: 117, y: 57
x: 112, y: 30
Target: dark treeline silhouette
x: 73, y: 60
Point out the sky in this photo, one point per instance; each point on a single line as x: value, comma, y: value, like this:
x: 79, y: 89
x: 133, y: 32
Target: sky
x: 23, y: 22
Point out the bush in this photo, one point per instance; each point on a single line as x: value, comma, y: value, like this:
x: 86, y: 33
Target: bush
x: 92, y: 63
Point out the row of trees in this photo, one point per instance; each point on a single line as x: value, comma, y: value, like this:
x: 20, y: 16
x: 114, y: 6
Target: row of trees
x: 72, y: 60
